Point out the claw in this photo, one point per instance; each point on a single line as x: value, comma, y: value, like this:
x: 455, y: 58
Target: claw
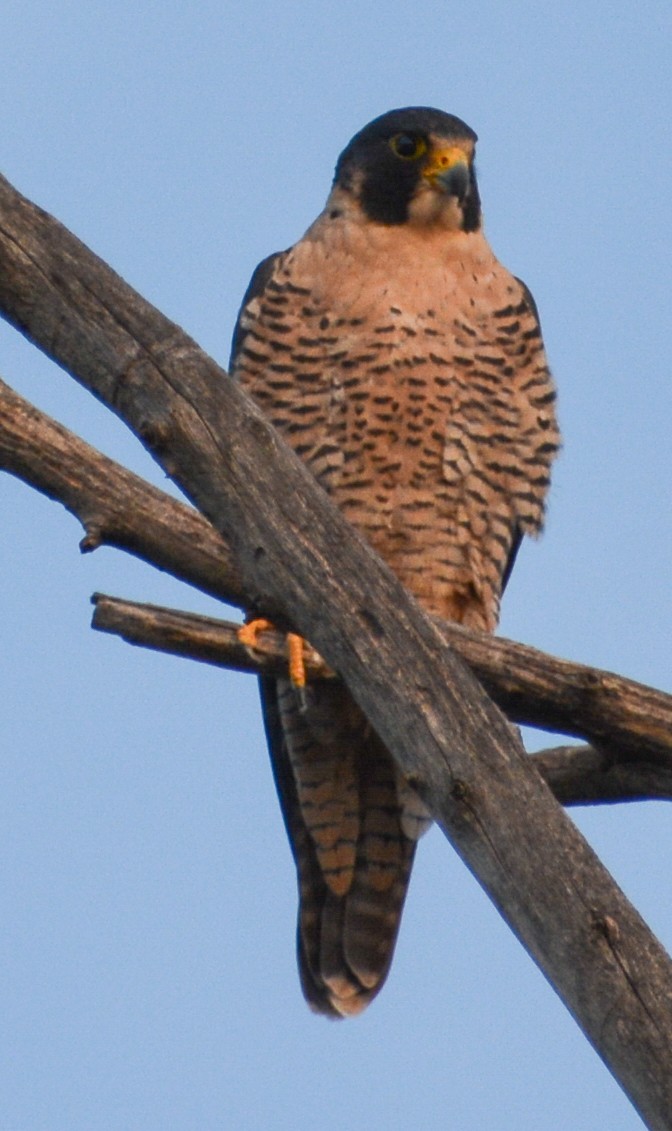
x: 297, y: 665
x: 248, y: 634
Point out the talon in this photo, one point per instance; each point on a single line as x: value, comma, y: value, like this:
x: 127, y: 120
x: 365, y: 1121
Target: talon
x: 297, y: 665
x: 248, y: 633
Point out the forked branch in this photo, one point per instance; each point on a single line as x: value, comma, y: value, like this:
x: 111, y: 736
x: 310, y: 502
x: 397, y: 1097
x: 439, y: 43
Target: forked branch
x: 301, y: 562
x: 117, y: 508
x: 578, y: 775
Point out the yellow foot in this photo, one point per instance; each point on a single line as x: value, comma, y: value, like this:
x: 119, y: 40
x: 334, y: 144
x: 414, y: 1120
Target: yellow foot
x: 248, y: 634
x: 297, y: 663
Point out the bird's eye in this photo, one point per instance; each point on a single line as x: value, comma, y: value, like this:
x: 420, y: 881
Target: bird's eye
x: 408, y: 146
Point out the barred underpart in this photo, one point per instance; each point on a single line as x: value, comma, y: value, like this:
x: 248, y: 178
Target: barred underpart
x: 405, y: 365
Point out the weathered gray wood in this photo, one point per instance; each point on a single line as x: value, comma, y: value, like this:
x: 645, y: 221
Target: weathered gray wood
x: 195, y: 637
x: 577, y: 775
x: 115, y: 507
x: 582, y: 775
x: 119, y: 509
x: 300, y: 561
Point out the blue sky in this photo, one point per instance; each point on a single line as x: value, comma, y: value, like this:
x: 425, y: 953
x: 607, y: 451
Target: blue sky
x: 147, y: 893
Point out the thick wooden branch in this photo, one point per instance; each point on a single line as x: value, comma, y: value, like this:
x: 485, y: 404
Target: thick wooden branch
x: 115, y: 507
x: 578, y: 775
x: 582, y: 775
x: 300, y: 561
x: 120, y: 509
x: 196, y: 637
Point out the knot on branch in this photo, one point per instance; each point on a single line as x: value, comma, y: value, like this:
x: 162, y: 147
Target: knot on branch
x: 92, y: 540
x: 156, y: 432
x: 460, y: 792
x: 608, y: 928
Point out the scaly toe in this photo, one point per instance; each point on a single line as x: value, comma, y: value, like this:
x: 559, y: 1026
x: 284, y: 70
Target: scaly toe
x: 248, y: 634
x: 297, y: 663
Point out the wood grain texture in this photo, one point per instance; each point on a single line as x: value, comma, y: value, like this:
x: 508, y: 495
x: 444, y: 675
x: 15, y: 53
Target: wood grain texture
x: 115, y: 507
x: 118, y: 508
x: 577, y: 775
x: 299, y: 558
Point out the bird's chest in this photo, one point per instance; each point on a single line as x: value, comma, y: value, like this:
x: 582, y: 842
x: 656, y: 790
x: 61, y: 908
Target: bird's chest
x: 372, y: 380
x: 389, y: 391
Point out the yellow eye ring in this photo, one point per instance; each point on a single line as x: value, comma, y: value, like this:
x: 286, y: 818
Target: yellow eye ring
x: 408, y: 146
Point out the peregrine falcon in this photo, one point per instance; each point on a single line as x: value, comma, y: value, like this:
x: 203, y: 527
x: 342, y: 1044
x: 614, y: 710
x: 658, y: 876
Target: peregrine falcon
x: 405, y: 365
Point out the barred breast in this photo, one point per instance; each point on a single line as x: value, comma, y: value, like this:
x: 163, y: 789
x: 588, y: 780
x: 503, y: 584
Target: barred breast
x: 422, y: 401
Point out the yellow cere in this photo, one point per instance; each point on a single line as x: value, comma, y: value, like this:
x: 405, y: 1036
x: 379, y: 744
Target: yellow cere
x: 442, y: 159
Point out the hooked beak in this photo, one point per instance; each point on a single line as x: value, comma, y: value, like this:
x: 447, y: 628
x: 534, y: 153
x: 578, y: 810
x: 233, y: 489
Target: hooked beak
x: 448, y: 170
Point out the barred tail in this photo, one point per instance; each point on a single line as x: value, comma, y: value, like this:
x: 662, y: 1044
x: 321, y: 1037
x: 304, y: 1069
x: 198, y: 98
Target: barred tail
x: 345, y: 815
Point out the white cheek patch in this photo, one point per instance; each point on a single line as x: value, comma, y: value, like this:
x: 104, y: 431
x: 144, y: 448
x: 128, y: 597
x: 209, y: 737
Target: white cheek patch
x: 432, y: 208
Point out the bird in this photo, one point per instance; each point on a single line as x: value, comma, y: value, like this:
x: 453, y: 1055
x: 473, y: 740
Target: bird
x: 405, y: 365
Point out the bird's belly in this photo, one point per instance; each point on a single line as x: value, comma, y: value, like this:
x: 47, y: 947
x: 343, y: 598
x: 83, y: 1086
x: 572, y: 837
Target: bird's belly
x: 416, y: 531
x: 375, y: 425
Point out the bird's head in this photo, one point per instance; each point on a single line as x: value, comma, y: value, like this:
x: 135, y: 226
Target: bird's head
x: 413, y: 166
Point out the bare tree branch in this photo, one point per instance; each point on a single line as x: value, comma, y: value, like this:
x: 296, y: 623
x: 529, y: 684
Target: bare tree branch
x: 299, y: 560
x: 578, y: 775
x: 115, y: 507
x: 196, y: 637
x: 582, y: 775
x: 119, y: 509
